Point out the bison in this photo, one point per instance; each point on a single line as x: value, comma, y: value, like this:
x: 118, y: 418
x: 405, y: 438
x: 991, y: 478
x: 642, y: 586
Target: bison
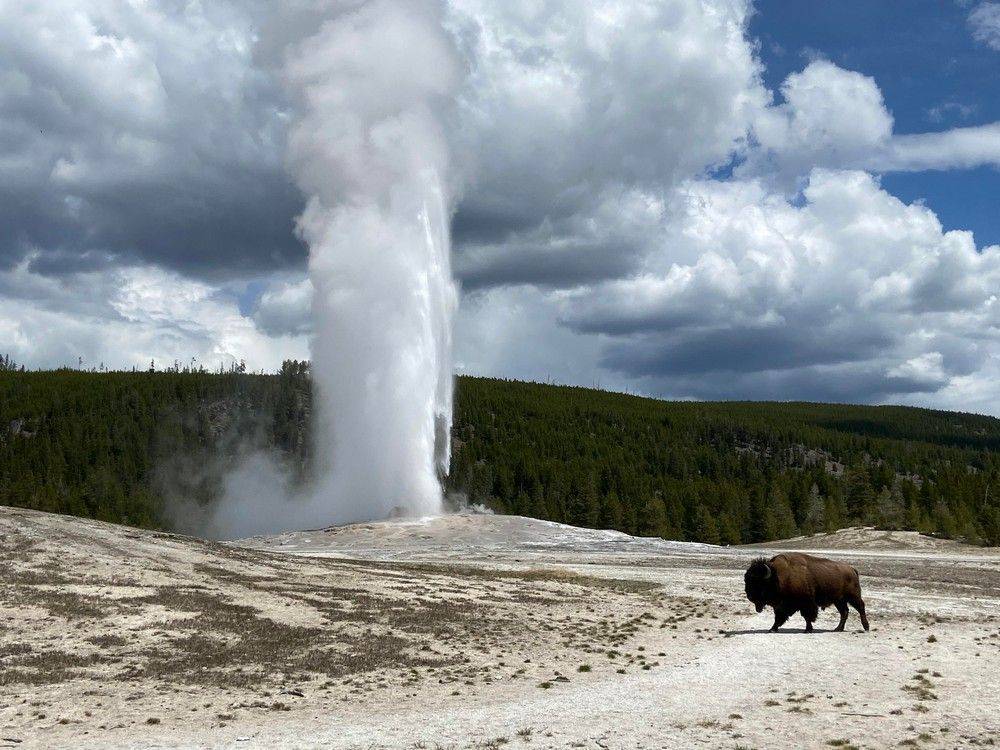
x: 794, y: 582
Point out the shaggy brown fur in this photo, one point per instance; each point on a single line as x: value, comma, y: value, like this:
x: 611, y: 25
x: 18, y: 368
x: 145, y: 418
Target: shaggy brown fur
x: 795, y: 582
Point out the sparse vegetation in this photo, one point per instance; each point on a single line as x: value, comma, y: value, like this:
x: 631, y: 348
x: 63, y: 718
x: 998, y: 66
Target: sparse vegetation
x: 204, y: 636
x: 921, y: 688
x: 195, y: 635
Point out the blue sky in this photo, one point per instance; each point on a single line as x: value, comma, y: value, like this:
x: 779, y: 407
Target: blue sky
x: 932, y: 73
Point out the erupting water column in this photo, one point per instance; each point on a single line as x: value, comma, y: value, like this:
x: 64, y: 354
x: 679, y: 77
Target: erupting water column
x: 370, y: 152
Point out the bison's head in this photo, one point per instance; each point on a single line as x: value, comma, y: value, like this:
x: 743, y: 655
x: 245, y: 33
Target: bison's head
x: 760, y: 582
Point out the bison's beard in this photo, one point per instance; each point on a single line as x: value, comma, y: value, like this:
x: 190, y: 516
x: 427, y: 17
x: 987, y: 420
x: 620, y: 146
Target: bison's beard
x: 760, y: 606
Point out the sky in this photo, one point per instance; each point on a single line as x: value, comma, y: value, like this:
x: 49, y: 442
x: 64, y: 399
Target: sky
x: 697, y: 199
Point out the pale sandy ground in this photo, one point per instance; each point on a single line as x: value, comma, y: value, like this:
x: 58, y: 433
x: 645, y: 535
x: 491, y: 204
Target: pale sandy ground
x: 471, y: 632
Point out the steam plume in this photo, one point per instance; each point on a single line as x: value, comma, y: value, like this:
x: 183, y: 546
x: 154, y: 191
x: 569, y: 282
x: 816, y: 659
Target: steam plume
x: 371, y: 154
x: 373, y: 85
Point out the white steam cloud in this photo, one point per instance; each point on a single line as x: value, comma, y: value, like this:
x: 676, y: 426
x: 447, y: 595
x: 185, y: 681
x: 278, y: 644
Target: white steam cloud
x: 369, y: 149
x: 371, y: 153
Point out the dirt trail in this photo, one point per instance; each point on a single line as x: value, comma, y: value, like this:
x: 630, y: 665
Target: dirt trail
x: 478, y: 631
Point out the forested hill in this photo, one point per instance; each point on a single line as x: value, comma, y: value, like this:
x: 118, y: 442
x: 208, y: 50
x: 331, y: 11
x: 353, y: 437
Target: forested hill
x: 724, y: 472
x: 117, y: 446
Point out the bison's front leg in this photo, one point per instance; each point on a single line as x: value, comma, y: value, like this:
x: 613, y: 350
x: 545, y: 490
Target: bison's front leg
x: 780, y: 617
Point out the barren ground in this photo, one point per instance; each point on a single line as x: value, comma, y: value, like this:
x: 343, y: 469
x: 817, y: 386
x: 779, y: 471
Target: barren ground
x: 482, y: 632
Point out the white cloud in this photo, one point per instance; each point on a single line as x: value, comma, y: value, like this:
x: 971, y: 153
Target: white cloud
x: 579, y: 87
x: 984, y: 20
x: 514, y: 332
x: 829, y: 116
x: 286, y: 308
x: 754, y: 295
x: 569, y: 104
x: 940, y: 112
x: 836, y: 118
x: 959, y: 148
x: 926, y: 367
x: 127, y: 317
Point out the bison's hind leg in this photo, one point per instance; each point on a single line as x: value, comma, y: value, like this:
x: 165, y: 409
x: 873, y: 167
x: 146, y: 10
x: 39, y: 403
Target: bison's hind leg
x: 810, y: 612
x: 859, y: 604
x: 842, y: 608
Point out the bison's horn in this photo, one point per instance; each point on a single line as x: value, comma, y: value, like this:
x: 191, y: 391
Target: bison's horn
x: 767, y: 572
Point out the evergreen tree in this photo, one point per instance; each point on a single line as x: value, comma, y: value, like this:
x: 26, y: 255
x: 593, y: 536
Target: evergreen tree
x: 611, y: 512
x: 705, y: 527
x: 729, y: 530
x: 891, y: 509
x: 860, y: 498
x: 779, y: 520
x: 118, y: 445
x: 651, y: 517
x: 815, y: 519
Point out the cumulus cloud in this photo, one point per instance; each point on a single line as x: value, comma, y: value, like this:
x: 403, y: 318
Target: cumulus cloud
x: 144, y: 131
x: 285, y: 309
x: 758, y: 295
x: 829, y: 117
x: 129, y: 316
x: 836, y: 118
x: 572, y: 107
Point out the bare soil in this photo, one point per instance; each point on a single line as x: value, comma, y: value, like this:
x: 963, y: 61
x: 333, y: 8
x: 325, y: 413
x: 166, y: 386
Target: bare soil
x: 476, y: 631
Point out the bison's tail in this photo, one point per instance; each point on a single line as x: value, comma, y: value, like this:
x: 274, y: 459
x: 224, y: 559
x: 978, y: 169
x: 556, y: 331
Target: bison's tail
x: 857, y: 581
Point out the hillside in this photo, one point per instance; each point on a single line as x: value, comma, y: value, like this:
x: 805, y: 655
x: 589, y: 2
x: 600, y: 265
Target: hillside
x: 120, y: 446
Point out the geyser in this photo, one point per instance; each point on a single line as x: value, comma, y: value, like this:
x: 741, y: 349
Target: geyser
x: 370, y: 152
x: 373, y: 83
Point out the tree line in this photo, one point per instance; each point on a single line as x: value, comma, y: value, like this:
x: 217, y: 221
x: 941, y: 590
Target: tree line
x: 725, y: 472
x: 115, y: 445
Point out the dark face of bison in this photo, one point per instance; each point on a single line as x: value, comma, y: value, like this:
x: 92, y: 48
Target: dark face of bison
x: 760, y: 582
